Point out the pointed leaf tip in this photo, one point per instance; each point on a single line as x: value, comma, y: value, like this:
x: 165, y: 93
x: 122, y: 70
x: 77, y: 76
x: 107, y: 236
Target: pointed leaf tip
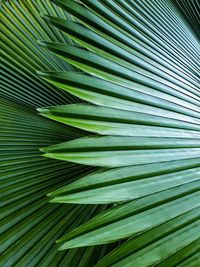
x: 47, y: 18
x: 40, y: 110
x: 39, y: 72
x: 43, y: 149
x: 51, y: 201
x: 41, y: 43
x: 42, y: 14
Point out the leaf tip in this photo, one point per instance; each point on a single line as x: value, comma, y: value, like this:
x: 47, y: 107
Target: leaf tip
x: 58, y: 241
x: 52, y: 201
x: 42, y: 111
x: 39, y: 72
x: 43, y: 149
x: 41, y: 43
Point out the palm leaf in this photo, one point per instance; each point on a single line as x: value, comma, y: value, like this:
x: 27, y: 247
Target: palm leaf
x: 135, y: 63
x: 30, y: 225
x: 145, y: 95
x: 21, y: 27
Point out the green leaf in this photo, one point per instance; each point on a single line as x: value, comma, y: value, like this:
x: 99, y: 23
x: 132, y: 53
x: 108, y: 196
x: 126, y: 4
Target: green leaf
x: 136, y: 64
x: 130, y: 224
x: 141, y: 77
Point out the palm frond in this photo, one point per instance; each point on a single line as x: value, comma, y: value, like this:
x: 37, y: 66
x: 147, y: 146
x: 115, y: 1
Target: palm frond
x: 143, y: 84
x: 136, y: 146
x: 22, y: 26
x: 30, y: 225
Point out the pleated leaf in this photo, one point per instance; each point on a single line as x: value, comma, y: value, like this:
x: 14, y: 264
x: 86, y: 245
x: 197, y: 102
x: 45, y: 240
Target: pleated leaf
x: 136, y: 64
x: 140, y: 75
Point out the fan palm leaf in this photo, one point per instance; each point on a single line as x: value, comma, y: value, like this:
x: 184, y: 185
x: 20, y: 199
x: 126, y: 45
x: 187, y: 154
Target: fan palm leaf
x: 145, y: 95
x: 30, y: 225
x: 136, y: 64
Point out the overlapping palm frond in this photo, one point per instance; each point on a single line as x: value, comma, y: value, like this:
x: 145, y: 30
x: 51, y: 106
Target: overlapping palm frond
x: 21, y: 27
x: 140, y: 63
x: 137, y: 138
x: 30, y: 225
